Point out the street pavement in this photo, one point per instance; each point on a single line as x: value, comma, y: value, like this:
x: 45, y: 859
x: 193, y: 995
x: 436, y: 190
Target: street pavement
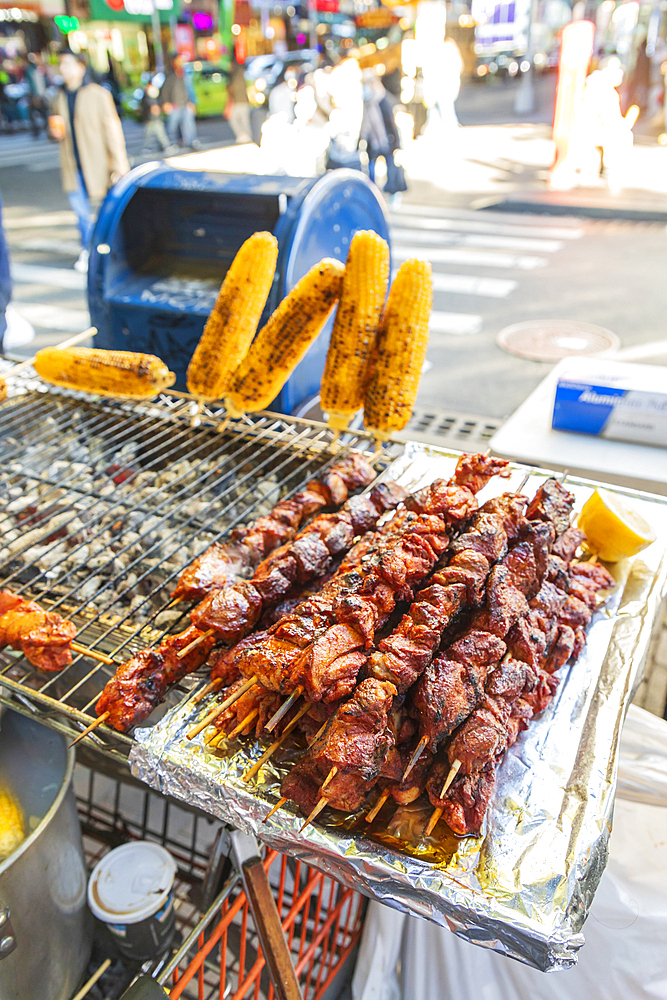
x: 491, y: 269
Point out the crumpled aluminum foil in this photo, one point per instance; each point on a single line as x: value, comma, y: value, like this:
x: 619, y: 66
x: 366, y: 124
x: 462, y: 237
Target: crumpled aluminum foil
x: 523, y: 888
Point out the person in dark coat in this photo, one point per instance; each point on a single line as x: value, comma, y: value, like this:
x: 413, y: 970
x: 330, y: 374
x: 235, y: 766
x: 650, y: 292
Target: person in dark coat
x: 379, y: 131
x: 177, y: 104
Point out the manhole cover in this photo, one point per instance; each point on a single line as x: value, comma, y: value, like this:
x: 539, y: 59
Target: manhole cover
x: 553, y: 339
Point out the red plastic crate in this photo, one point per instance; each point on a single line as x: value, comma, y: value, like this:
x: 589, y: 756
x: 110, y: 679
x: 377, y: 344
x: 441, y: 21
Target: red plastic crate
x: 322, y: 921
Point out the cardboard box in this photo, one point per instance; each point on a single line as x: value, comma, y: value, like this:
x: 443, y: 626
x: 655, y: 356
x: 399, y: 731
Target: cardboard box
x: 613, y: 399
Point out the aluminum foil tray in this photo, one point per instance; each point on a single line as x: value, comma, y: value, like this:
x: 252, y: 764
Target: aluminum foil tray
x: 525, y: 886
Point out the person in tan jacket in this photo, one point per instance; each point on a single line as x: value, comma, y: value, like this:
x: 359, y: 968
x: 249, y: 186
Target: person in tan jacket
x: 92, y: 145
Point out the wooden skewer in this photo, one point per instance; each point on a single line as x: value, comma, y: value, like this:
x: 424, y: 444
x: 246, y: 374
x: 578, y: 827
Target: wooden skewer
x: 93, y: 654
x: 522, y: 483
x: 215, y: 737
x: 195, y: 642
x: 378, y: 805
x: 251, y: 772
x: 284, y: 709
x: 279, y: 803
x: 90, y: 332
x: 435, y: 816
x: 243, y: 723
x: 318, y: 733
x: 565, y: 474
x: 214, y: 685
x: 437, y: 813
x: 316, y: 812
x: 214, y: 713
x: 98, y: 722
x: 415, y: 757
x: 88, y: 985
x: 453, y: 771
x: 329, y: 778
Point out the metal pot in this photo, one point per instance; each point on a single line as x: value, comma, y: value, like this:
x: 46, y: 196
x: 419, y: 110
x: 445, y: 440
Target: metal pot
x: 45, y: 926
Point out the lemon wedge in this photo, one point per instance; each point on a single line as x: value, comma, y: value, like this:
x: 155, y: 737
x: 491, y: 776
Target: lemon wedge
x: 613, y: 529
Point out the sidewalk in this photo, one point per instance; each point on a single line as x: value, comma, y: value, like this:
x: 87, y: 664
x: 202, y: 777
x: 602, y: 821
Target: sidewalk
x: 506, y: 165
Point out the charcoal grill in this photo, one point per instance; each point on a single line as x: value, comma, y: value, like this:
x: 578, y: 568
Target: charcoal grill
x: 106, y: 501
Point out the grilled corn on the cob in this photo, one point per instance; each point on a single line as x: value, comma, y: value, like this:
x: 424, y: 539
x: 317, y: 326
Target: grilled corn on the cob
x: 12, y: 828
x: 401, y: 350
x: 233, y: 321
x: 3, y: 389
x: 283, y: 341
x: 355, y: 328
x: 105, y: 373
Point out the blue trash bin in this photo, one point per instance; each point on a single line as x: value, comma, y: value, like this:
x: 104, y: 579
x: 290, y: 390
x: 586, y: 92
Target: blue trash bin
x: 165, y: 238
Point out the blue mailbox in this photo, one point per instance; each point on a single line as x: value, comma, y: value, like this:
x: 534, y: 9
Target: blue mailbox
x: 165, y: 238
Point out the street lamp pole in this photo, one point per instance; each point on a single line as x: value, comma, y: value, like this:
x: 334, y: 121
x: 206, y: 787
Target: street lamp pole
x: 157, y: 38
x: 525, y: 95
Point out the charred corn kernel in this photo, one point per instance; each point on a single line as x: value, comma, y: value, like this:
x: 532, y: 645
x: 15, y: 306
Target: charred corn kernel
x: 105, y: 373
x: 401, y: 350
x: 233, y: 321
x: 283, y: 341
x: 355, y: 328
x: 12, y: 828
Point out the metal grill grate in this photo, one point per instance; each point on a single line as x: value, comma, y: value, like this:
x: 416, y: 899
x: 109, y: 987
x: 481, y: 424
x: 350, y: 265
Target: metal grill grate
x: 107, y: 501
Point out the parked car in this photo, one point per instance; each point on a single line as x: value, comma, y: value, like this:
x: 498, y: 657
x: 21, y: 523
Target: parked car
x: 206, y: 83
x: 262, y: 72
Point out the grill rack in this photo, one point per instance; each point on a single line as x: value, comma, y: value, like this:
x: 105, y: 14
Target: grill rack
x: 219, y: 954
x: 118, y: 497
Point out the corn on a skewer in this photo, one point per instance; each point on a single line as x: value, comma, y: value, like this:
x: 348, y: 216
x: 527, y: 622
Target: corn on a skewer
x: 12, y: 828
x: 233, y: 320
x: 105, y: 373
x: 355, y: 328
x: 3, y: 389
x: 282, y: 342
x: 401, y: 350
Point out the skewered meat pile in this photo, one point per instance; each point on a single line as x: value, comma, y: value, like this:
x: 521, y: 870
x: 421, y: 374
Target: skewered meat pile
x: 223, y: 562
x: 322, y: 645
x: 43, y: 637
x: 477, y: 695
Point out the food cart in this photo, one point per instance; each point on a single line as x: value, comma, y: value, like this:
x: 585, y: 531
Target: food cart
x: 107, y: 501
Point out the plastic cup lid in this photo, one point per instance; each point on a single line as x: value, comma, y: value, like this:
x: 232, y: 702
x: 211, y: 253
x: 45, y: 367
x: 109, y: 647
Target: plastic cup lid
x: 131, y: 882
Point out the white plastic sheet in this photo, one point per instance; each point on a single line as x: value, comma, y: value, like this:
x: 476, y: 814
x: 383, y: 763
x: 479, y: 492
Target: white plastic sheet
x: 625, y: 955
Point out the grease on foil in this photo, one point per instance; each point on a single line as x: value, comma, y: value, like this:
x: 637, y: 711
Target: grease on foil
x: 525, y: 886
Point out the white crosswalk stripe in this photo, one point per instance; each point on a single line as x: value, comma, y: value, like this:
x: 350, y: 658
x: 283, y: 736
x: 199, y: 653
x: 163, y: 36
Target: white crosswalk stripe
x: 50, y: 317
x: 59, y: 277
x: 425, y: 217
x: 472, y: 258
x: 474, y: 242
x: 434, y: 238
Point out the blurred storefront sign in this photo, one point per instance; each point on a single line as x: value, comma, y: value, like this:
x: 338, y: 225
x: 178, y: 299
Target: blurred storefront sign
x: 132, y: 10
x: 184, y: 37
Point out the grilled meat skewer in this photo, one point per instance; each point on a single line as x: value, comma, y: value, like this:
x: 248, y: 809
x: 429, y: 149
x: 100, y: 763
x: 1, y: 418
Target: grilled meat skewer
x: 233, y: 611
x: 44, y: 638
x: 141, y: 683
x: 322, y: 645
x: 515, y: 692
x: 223, y: 562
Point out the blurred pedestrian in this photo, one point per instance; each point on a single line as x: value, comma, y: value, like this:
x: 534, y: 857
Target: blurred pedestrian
x: 37, y: 82
x: 92, y: 145
x: 283, y: 94
x: 238, y: 105
x: 378, y: 129
x: 604, y: 134
x: 178, y: 105
x: 150, y: 114
x: 14, y: 330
